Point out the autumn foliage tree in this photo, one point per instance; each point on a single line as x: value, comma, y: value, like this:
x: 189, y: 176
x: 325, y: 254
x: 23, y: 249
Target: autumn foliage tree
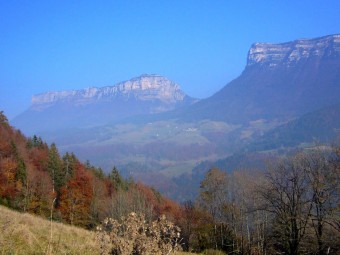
x: 12, y: 167
x: 39, y: 193
x: 76, y: 196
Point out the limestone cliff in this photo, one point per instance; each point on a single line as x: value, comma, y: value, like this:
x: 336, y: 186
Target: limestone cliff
x: 290, y: 53
x: 144, y: 88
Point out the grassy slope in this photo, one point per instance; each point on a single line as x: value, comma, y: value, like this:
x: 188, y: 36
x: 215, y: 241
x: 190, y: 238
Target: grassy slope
x: 22, y: 233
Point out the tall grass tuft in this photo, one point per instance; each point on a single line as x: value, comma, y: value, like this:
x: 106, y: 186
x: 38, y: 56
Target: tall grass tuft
x: 22, y: 233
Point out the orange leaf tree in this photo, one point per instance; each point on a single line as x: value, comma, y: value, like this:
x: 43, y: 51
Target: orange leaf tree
x: 76, y: 197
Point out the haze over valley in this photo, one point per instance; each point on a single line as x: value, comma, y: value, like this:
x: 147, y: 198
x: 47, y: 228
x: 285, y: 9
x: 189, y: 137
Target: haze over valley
x: 150, y: 129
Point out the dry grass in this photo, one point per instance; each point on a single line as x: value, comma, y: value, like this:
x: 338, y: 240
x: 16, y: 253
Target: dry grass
x: 22, y: 233
x: 185, y: 253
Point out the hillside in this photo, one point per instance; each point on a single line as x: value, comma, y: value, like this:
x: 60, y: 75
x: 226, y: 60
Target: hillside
x: 22, y: 233
x: 34, y: 178
x: 321, y: 126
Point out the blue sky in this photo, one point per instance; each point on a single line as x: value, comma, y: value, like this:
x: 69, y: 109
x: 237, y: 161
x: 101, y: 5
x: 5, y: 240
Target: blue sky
x: 202, y: 45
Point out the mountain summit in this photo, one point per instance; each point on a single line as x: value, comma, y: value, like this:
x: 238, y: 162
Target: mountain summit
x: 146, y: 94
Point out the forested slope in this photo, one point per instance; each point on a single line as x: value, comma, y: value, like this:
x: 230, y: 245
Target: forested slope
x: 34, y: 178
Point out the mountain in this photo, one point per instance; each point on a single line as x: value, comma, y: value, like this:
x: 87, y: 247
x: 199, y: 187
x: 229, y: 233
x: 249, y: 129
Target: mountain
x: 146, y: 94
x: 280, y: 81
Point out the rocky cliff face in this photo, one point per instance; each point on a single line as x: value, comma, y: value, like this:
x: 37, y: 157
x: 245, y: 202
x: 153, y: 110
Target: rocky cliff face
x: 144, y: 88
x: 288, y: 54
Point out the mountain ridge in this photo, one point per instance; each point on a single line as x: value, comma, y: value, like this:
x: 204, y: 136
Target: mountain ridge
x: 142, y: 95
x: 144, y: 87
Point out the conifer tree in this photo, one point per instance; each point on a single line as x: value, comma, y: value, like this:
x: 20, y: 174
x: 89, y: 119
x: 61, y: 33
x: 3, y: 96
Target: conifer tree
x: 3, y: 119
x: 69, y: 165
x: 54, y: 167
x: 117, y: 180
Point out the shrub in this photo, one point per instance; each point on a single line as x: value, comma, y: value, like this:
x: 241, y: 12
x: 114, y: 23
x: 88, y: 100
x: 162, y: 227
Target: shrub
x: 133, y: 235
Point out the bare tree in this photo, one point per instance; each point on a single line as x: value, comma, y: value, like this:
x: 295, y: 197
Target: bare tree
x: 252, y: 224
x: 323, y: 172
x: 214, y: 194
x: 286, y: 196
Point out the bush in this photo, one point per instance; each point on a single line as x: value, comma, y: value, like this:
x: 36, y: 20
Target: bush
x: 133, y: 235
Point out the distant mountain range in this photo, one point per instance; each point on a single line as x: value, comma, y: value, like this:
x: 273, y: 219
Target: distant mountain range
x: 146, y: 94
x: 287, y: 97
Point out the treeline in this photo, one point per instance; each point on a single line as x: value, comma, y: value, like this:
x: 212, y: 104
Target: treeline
x: 291, y: 208
x: 35, y: 178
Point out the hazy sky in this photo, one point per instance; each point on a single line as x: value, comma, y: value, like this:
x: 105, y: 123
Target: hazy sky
x: 202, y: 45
